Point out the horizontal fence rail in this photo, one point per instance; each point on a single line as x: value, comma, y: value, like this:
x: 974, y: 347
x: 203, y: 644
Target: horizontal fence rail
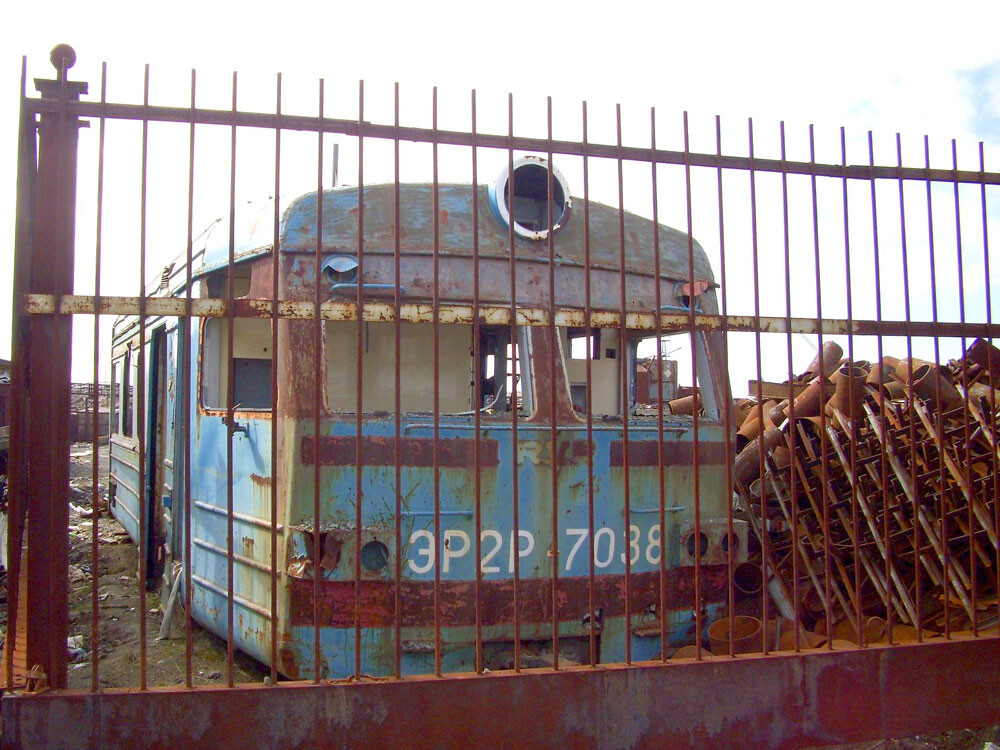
x: 39, y: 304
x: 333, y: 126
x: 482, y: 445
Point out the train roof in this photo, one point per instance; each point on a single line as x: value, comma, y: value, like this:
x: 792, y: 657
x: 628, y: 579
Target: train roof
x: 254, y: 231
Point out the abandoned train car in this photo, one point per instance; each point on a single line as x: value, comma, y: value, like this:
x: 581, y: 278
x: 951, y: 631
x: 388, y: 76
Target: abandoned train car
x: 525, y: 377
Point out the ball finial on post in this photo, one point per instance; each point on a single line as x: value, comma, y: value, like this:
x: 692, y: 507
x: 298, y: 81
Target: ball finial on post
x: 62, y: 57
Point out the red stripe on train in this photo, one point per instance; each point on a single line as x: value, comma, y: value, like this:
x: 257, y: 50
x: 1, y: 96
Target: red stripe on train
x: 381, y: 451
x: 675, y: 453
x: 458, y: 598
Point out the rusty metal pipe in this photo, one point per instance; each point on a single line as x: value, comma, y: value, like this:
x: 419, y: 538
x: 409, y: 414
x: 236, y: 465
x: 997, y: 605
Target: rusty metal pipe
x: 742, y: 409
x: 776, y: 414
x: 685, y: 405
x: 809, y: 403
x: 738, y: 635
x: 891, y: 362
x: 983, y: 391
x: 747, y: 578
x: 905, y: 366
x: 849, y: 390
x: 880, y: 373
x: 782, y: 457
x: 894, y: 390
x: 751, y: 425
x: 928, y: 381
x: 746, y: 467
x: 825, y: 361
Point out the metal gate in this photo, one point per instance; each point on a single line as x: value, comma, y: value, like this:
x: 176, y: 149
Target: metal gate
x: 814, y: 563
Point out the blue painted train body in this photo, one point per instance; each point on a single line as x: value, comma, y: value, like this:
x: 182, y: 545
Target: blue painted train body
x: 534, y: 462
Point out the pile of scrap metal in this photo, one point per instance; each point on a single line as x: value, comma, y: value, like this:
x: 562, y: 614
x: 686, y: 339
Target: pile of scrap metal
x: 877, y: 489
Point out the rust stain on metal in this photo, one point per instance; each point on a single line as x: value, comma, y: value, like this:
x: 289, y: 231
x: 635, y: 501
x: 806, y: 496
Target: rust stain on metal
x: 381, y: 451
x: 675, y: 453
x: 784, y: 701
x: 458, y: 606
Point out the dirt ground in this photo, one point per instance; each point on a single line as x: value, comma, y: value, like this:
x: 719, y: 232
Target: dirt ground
x: 119, y: 604
x: 119, y: 608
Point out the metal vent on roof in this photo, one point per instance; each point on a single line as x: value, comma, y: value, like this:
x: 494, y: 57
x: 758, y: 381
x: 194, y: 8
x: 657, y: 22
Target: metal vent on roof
x: 533, y: 197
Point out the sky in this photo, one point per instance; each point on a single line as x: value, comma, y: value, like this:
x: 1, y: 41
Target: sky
x: 909, y: 68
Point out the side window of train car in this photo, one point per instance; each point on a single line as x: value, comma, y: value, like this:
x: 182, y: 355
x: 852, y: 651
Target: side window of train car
x: 505, y: 378
x: 504, y: 374
x: 646, y: 375
x: 252, y: 363
x: 603, y: 349
x: 129, y: 372
x: 115, y: 405
x: 672, y: 374
x: 416, y: 344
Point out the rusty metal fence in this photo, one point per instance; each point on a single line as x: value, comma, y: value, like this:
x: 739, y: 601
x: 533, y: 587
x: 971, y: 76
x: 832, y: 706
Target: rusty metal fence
x: 444, y: 479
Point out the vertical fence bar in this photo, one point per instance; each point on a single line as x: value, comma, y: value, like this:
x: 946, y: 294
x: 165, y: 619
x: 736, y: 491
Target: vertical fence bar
x: 694, y: 335
x: 727, y: 420
x: 658, y: 315
x: 317, y: 386
x: 554, y: 349
x: 230, y: 395
x: 185, y: 360
x: 397, y: 383
x: 94, y: 500
x: 515, y: 367
x: 477, y: 395
x: 17, y: 468
x: 883, y: 458
x: 623, y: 356
x: 144, y: 485
x: 791, y: 437
x: 275, y: 395
x: 764, y: 536
x: 992, y: 383
x: 823, y: 441
x: 436, y: 303
x: 964, y: 376
x: 359, y: 379
x: 911, y: 417
x: 592, y: 630
x: 938, y: 420
x: 55, y: 394
x: 853, y: 416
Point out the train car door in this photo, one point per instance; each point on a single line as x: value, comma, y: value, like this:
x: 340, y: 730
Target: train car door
x: 160, y: 454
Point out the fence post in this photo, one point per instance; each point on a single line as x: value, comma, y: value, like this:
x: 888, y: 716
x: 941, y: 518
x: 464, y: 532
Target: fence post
x: 45, y: 378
